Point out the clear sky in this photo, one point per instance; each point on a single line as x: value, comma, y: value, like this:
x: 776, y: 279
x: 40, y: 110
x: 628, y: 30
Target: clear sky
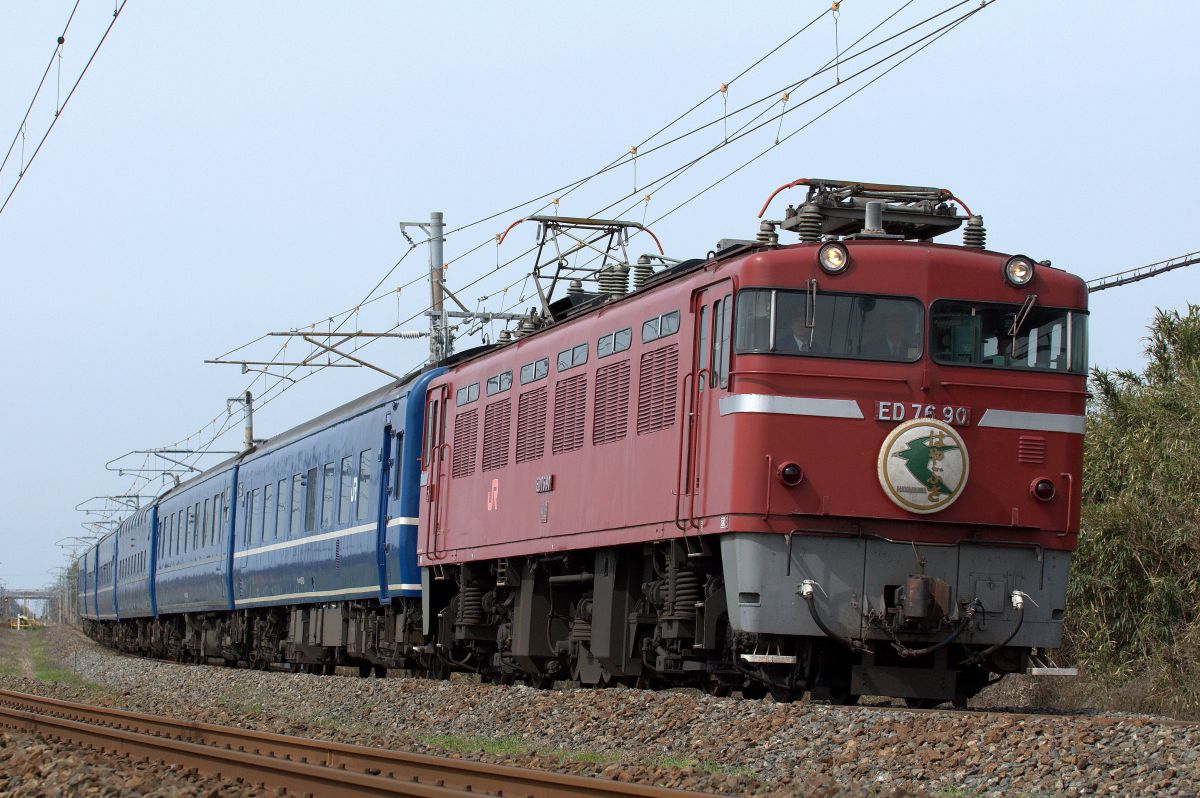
x: 228, y: 169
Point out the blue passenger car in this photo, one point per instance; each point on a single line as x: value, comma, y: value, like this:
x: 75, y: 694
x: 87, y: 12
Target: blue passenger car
x: 134, y: 564
x: 192, y: 542
x: 322, y: 514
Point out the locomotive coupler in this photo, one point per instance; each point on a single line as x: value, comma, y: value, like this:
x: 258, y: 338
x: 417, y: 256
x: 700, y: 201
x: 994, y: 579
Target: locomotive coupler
x: 920, y: 604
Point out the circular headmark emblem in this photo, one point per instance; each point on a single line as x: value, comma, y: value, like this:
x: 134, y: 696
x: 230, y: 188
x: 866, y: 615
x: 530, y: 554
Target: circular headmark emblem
x: 923, y: 465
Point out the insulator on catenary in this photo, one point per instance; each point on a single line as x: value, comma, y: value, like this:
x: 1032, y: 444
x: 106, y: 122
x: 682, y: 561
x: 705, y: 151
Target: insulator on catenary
x: 975, y: 234
x: 642, y: 272
x: 809, y: 226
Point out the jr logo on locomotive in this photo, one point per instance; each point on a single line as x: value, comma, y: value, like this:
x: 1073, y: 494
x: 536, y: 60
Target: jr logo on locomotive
x: 923, y: 465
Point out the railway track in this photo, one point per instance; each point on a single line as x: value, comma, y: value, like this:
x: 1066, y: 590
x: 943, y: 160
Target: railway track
x: 300, y: 766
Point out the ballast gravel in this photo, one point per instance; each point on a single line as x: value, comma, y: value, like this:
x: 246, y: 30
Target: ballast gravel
x: 32, y: 767
x: 676, y: 738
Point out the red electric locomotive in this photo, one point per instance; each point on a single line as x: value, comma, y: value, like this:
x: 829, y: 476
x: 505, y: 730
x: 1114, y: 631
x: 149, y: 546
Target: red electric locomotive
x: 845, y: 466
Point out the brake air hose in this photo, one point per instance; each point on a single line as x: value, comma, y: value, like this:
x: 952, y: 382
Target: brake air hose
x: 1018, y: 602
x: 806, y: 592
x: 963, y: 623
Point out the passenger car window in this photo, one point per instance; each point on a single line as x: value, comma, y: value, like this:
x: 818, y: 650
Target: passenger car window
x: 251, y: 515
x: 328, y: 495
x: 347, y: 493
x: 310, y: 501
x: 281, y: 509
x: 366, y: 481
x: 297, y: 524
x: 268, y: 528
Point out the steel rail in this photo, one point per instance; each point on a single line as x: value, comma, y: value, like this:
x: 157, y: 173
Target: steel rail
x: 299, y: 765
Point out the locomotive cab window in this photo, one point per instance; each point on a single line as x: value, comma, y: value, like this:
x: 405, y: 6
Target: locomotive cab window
x: 823, y: 324
x: 1008, y: 336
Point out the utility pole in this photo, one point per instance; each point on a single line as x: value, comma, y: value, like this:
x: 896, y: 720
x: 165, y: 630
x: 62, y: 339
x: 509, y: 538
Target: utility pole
x: 246, y: 401
x: 439, y: 339
x: 440, y: 344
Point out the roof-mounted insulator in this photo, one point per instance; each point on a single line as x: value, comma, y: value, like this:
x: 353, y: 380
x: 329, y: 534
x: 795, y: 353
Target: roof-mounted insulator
x: 575, y: 287
x: 809, y: 224
x: 642, y: 272
x: 504, y: 337
x: 528, y: 325
x: 767, y: 234
x: 975, y: 234
x: 614, y: 280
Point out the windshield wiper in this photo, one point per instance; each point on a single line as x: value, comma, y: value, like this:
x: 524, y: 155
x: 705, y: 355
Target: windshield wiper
x: 1019, y: 320
x: 810, y: 310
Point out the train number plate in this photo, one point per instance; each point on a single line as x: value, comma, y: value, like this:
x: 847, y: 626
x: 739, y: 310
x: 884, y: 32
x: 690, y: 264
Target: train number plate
x: 902, y: 411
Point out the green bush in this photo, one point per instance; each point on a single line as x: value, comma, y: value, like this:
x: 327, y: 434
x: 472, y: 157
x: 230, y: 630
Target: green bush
x: 1134, y: 598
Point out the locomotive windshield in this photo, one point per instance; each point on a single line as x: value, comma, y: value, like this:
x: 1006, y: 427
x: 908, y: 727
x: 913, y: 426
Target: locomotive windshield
x: 825, y: 324
x: 1008, y: 336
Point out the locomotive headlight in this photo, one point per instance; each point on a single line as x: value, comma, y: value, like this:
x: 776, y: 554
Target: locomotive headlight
x: 1018, y: 271
x: 791, y: 474
x: 833, y: 258
x: 1042, y: 489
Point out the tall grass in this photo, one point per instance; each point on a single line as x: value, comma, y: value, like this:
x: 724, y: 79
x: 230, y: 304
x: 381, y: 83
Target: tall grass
x: 1134, y: 596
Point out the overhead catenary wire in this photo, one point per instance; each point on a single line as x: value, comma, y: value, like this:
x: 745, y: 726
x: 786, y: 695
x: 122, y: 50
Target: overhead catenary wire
x: 57, y: 53
x: 770, y: 97
x: 737, y: 136
x: 566, y: 189
x: 622, y: 157
x: 58, y: 113
x: 662, y: 181
x: 282, y: 383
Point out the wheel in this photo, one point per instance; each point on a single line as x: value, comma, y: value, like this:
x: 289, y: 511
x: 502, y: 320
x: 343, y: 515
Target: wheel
x: 754, y: 691
x: 922, y: 703
x: 716, y: 688
x: 381, y: 671
x: 329, y: 669
x: 783, y: 695
x: 364, y: 671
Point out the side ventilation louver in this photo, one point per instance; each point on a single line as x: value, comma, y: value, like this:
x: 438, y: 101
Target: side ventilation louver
x: 612, y: 403
x: 531, y: 424
x: 657, y: 388
x: 497, y: 424
x: 570, y: 406
x: 466, y: 441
